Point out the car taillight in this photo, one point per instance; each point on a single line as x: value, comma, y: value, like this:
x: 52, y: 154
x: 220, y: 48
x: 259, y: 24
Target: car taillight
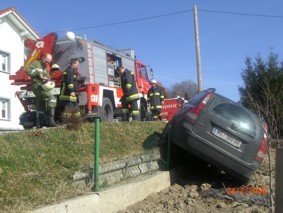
x: 192, y: 114
x: 262, y: 151
x: 263, y: 147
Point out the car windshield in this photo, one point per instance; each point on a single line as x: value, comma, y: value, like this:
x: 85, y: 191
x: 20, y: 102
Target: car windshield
x: 241, y: 120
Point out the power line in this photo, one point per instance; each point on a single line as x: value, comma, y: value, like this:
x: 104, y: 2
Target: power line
x: 164, y: 15
x: 124, y: 22
x: 241, y: 14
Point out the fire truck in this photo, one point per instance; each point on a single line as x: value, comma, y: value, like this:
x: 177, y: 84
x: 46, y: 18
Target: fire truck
x: 170, y: 107
x: 99, y: 84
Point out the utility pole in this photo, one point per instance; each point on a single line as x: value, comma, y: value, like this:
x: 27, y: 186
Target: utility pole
x: 197, y: 49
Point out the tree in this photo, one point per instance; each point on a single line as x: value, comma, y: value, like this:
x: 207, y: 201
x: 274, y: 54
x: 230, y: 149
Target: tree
x: 185, y: 89
x: 263, y: 91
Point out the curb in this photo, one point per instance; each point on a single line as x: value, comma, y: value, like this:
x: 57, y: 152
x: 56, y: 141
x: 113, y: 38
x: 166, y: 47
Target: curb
x: 112, y: 199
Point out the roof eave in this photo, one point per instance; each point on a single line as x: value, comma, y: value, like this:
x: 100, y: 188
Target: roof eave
x: 25, y: 30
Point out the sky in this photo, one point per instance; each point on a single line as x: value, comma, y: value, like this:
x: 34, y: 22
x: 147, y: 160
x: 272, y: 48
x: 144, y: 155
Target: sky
x: 162, y: 33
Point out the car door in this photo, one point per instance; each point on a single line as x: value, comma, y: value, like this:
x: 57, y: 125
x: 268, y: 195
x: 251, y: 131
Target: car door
x: 230, y: 128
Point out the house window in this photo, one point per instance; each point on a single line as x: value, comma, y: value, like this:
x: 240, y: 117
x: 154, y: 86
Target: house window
x: 4, y: 62
x: 4, y: 107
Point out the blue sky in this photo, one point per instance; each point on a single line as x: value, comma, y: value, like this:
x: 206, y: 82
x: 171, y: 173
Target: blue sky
x: 167, y: 42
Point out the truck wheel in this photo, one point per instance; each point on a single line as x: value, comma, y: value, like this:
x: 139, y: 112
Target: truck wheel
x: 107, y: 110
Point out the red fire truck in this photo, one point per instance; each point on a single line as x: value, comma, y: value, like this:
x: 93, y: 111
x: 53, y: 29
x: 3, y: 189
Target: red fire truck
x: 170, y: 106
x: 99, y: 85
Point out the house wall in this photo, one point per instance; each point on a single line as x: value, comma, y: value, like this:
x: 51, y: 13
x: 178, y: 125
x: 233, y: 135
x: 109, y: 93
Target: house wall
x: 11, y: 43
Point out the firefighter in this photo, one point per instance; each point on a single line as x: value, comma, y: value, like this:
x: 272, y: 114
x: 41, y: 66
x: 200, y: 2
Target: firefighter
x: 54, y: 67
x: 69, y: 89
x: 38, y: 71
x: 155, y: 98
x: 131, y: 96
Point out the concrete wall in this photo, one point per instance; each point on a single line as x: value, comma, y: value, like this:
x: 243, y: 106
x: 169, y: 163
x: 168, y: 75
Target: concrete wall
x: 117, y: 171
x: 118, y: 196
x: 112, y: 199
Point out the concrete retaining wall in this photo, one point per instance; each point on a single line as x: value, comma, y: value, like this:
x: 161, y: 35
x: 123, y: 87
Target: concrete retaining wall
x: 149, y: 179
x: 115, y: 172
x: 112, y: 199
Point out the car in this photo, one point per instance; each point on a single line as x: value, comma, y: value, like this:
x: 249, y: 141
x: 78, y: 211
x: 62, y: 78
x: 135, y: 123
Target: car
x: 221, y: 132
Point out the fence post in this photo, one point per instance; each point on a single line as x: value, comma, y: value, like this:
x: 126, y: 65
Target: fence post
x: 96, y: 157
x: 279, y: 180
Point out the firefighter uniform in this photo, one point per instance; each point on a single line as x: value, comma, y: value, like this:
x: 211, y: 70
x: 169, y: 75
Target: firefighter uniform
x: 69, y: 85
x: 130, y: 97
x: 45, y: 101
x: 155, y: 98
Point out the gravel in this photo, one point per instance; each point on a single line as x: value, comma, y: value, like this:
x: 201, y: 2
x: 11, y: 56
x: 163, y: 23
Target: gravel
x: 203, y: 188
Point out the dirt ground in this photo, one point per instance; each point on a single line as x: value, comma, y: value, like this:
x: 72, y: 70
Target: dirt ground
x: 202, y: 189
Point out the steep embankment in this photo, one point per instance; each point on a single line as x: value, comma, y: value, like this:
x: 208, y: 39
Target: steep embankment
x: 37, y: 166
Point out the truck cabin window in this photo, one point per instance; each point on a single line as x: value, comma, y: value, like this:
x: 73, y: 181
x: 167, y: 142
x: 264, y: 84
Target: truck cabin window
x: 143, y: 72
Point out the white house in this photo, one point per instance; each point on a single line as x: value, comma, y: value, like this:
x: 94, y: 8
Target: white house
x: 13, y: 31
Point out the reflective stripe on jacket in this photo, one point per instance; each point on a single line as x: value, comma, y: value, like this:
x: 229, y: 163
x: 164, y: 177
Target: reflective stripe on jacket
x: 129, y: 86
x: 69, y: 85
x: 155, y: 97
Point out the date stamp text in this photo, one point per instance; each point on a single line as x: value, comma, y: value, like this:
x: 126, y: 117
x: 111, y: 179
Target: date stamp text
x: 246, y: 190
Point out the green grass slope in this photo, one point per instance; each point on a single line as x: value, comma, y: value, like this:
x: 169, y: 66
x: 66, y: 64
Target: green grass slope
x: 37, y: 166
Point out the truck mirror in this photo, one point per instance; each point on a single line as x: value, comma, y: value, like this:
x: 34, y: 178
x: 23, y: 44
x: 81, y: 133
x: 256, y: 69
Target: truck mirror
x: 151, y: 73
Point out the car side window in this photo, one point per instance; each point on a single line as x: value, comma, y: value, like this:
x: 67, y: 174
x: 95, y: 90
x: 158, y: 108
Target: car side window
x: 241, y: 121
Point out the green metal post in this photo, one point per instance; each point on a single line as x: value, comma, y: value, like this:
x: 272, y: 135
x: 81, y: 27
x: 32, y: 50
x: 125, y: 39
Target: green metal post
x: 168, y: 147
x: 96, y: 159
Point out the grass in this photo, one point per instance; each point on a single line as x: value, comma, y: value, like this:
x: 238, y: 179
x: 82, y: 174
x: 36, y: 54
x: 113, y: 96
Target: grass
x: 36, y: 166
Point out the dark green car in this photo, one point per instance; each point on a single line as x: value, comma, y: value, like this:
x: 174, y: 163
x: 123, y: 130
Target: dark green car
x: 221, y: 132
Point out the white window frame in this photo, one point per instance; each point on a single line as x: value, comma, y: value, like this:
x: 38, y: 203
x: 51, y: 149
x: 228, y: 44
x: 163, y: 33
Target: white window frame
x: 4, y: 62
x: 4, y: 109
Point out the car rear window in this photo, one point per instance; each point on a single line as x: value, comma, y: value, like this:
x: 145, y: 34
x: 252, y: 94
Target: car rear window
x: 241, y: 120
x: 197, y: 99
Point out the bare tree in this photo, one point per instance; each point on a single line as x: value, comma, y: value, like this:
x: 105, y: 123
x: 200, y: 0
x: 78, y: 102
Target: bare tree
x: 185, y: 89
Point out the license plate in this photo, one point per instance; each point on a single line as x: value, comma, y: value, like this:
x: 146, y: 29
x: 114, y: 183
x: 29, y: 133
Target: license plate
x: 226, y: 137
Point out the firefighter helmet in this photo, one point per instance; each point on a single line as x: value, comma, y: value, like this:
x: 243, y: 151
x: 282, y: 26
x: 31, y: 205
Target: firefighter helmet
x: 153, y: 81
x: 55, y: 66
x: 48, y: 86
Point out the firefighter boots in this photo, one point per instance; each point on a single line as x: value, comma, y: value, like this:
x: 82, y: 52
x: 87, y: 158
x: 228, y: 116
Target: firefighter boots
x: 125, y: 116
x: 136, y: 117
x: 51, y: 116
x: 39, y: 120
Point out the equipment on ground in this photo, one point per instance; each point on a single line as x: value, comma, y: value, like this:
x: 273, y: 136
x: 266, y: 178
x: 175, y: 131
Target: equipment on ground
x: 48, y: 86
